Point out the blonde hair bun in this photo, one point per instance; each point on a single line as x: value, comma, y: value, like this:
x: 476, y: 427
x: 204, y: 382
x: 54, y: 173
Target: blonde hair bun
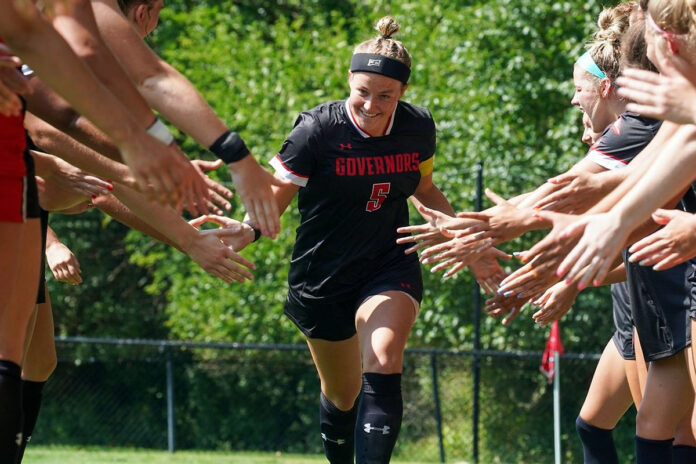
x: 387, y: 27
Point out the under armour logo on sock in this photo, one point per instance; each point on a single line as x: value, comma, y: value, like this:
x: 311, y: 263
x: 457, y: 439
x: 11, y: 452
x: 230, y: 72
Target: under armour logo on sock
x: 368, y: 428
x: 18, y: 441
x: 338, y: 441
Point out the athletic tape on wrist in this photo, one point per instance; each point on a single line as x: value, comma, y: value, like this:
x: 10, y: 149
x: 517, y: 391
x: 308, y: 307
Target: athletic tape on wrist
x: 159, y: 131
x: 257, y: 232
x: 229, y: 147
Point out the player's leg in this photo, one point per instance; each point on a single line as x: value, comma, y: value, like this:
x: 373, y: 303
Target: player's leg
x: 39, y: 363
x: 383, y: 322
x: 637, y: 372
x: 338, y: 366
x: 684, y: 448
x: 20, y: 249
x: 668, y: 393
x: 608, y: 398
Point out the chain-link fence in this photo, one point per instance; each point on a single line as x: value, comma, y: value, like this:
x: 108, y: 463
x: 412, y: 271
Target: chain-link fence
x: 157, y: 394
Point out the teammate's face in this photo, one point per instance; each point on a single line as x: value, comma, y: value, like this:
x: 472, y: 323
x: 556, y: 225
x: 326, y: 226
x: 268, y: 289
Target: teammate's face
x: 145, y: 17
x: 587, y: 97
x: 589, y: 136
x: 373, y: 98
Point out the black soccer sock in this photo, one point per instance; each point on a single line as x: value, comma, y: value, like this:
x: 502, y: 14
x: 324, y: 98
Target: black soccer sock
x: 597, y: 444
x: 379, y: 418
x: 10, y: 410
x: 32, y: 393
x: 653, y: 451
x: 683, y: 454
x: 337, y: 431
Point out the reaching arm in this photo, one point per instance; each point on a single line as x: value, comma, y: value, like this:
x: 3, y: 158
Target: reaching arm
x: 171, y: 94
x: 158, y: 168
x: 52, y: 108
x: 51, y: 140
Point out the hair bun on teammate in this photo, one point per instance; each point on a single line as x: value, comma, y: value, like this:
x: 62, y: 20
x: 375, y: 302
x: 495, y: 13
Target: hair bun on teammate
x: 606, y: 47
x: 384, y: 44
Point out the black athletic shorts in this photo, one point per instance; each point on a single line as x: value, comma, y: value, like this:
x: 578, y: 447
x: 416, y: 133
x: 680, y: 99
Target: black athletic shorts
x: 41, y: 296
x: 661, y: 303
x: 334, y: 319
x: 623, y: 320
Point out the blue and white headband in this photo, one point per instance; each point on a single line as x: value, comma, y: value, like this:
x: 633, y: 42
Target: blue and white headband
x: 588, y: 64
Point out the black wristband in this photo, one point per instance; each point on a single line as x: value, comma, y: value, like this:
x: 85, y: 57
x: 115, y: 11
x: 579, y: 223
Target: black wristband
x: 229, y: 147
x: 257, y: 232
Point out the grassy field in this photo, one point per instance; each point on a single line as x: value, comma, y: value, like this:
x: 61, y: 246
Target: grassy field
x: 73, y: 455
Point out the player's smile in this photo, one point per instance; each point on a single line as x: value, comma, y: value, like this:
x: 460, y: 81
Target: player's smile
x: 372, y: 101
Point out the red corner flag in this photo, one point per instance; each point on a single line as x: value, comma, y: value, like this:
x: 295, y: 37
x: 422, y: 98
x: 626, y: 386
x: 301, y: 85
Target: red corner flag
x: 553, y: 345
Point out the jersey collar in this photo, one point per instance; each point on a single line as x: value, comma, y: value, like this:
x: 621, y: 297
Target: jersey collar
x: 362, y: 132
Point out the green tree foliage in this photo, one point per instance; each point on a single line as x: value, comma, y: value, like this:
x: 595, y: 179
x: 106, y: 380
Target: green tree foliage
x: 495, y: 75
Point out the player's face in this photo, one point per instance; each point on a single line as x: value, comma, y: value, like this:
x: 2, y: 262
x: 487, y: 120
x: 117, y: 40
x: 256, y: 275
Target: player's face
x: 589, y: 136
x: 373, y: 98
x: 588, y: 98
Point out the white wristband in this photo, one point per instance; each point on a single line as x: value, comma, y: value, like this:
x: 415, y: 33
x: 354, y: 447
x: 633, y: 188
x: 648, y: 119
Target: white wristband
x: 159, y: 131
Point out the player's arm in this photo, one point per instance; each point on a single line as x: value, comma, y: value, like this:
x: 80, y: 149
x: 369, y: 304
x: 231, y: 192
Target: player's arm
x: 43, y: 102
x: 53, y: 141
x: 430, y: 196
x: 79, y: 29
x: 205, y: 248
x: 157, y: 169
x: 173, y: 96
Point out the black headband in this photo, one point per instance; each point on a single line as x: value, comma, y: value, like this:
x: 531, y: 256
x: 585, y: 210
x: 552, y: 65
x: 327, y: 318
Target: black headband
x: 378, y: 64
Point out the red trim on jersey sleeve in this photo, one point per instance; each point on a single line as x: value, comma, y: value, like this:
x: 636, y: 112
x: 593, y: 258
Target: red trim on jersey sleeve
x: 287, y: 173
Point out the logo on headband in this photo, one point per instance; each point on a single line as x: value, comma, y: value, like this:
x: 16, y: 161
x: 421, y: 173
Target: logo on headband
x: 372, y: 62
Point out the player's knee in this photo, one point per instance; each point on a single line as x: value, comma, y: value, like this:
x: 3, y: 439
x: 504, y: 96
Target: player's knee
x: 343, y: 397
x: 384, y: 357
x: 651, y: 426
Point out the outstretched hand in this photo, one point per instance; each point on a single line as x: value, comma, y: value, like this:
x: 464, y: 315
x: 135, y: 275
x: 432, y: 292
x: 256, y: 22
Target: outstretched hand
x: 578, y: 192
x: 670, y: 95
x: 233, y: 233
x: 673, y: 244
x: 555, y: 303
x: 219, y: 194
x: 425, y: 235
x: 592, y: 258
x: 253, y: 184
x: 501, y: 223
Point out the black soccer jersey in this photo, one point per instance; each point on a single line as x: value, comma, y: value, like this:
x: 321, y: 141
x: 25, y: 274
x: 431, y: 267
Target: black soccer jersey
x: 623, y: 140
x: 352, y: 196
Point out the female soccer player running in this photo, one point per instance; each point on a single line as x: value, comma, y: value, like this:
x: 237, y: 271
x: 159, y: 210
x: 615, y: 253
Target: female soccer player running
x: 353, y: 292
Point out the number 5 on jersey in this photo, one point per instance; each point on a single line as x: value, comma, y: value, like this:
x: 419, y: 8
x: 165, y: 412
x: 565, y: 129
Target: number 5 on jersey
x: 379, y: 194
